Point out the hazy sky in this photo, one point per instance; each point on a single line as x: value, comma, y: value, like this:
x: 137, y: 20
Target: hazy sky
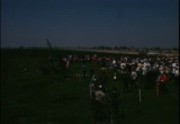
x: 138, y: 23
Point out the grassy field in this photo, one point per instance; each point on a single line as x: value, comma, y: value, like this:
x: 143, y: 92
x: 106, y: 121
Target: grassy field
x: 30, y: 97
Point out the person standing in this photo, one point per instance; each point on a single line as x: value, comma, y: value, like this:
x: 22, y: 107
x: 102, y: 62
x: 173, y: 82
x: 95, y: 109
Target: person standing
x: 101, y: 109
x: 133, y: 79
x: 115, y: 102
x: 161, y: 84
x: 125, y: 81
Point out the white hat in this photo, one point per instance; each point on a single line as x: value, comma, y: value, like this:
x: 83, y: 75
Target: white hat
x: 100, y: 86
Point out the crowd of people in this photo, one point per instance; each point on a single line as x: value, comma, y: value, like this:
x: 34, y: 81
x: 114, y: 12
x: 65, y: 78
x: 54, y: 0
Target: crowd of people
x: 134, y: 72
x: 134, y: 66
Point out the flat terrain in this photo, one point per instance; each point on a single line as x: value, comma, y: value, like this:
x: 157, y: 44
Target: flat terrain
x: 30, y: 97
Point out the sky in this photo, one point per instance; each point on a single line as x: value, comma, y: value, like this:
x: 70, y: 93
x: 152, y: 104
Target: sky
x: 88, y: 23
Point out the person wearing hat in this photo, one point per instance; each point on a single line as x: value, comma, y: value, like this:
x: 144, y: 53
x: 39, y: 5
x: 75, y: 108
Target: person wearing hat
x: 101, y: 109
x: 99, y: 94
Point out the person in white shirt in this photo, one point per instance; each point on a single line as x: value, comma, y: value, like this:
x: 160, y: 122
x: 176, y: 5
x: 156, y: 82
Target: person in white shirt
x: 133, y: 79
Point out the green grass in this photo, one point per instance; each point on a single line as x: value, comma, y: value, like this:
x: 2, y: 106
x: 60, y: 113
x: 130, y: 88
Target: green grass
x: 31, y: 97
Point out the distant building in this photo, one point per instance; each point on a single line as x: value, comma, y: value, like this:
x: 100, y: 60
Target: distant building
x: 152, y: 53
